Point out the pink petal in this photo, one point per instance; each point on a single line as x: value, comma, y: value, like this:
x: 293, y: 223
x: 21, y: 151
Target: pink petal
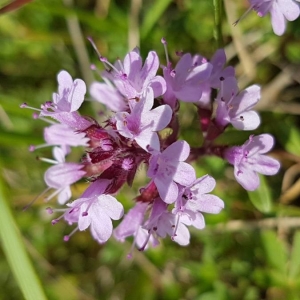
x: 266, y: 165
x: 189, y: 93
x: 229, y: 89
x: 185, y: 174
x: 209, y: 204
x: 64, y: 195
x: 262, y: 143
x: 289, y: 8
x: 182, y: 68
x: 204, y: 185
x: 218, y: 60
x: 110, y: 206
x: 62, y: 175
x: 247, y: 178
x: 246, y: 99
x: 248, y: 120
x: 182, y: 235
x: 131, y: 222
x: 77, y: 95
x: 132, y: 64
x: 158, y: 118
x: 158, y: 84
x: 72, y: 119
x: 150, y: 67
x: 277, y: 19
x: 199, y: 73
x: 178, y: 151
x: 199, y: 221
x: 148, y: 139
x: 167, y: 189
x: 101, y: 228
x: 64, y: 80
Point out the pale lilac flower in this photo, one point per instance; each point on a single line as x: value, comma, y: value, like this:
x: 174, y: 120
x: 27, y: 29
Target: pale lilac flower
x: 236, y: 107
x: 162, y: 223
x: 131, y: 222
x: 69, y: 97
x: 281, y: 11
x: 168, y: 168
x: 143, y: 123
x: 62, y: 175
x: 66, y: 102
x: 144, y: 239
x: 219, y: 73
x: 249, y: 159
x: 63, y: 136
x: 184, y: 82
x: 194, y: 200
x: 131, y: 225
x: 95, y: 210
x: 108, y: 95
x: 133, y: 79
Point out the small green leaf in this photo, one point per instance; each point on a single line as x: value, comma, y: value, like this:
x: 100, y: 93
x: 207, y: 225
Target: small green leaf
x: 261, y: 198
x: 275, y: 250
x: 153, y: 15
x: 289, y: 136
x: 295, y: 257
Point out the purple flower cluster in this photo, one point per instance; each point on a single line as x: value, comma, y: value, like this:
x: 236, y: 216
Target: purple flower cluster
x: 142, y: 104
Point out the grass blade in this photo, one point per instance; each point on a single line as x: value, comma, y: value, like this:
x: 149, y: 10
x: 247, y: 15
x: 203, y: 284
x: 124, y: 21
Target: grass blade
x: 16, y: 254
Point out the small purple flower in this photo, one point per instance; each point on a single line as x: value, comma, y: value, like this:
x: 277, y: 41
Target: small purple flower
x: 193, y: 200
x: 95, y: 210
x: 132, y: 78
x: 162, y: 223
x: 218, y: 62
x: 249, y: 159
x: 184, y: 82
x: 69, y: 97
x: 280, y: 11
x: 236, y: 107
x: 131, y: 222
x: 66, y: 102
x: 143, y: 123
x: 168, y: 168
x: 218, y: 74
x: 62, y: 175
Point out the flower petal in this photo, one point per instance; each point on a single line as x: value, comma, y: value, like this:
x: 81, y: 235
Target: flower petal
x: 178, y: 151
x: 185, y: 174
x: 167, y: 189
x: 266, y: 165
x: 247, y: 178
x: 111, y: 206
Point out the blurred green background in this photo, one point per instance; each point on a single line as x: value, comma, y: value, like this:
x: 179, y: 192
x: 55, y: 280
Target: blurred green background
x: 250, y: 251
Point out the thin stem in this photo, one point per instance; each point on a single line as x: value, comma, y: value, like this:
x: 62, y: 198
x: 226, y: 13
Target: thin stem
x: 218, y: 23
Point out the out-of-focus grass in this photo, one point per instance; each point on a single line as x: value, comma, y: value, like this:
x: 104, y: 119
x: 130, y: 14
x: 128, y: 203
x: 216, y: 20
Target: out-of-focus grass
x: 222, y: 262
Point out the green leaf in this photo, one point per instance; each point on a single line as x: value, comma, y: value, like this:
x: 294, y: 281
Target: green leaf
x: 153, y: 15
x: 261, y: 198
x: 275, y: 250
x: 289, y: 136
x: 16, y: 254
x: 295, y: 257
